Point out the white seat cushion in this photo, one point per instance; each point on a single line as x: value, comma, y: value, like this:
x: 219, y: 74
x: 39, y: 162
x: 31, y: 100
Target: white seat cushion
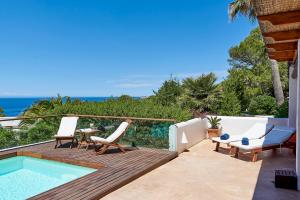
x: 67, y: 127
x: 99, y: 139
x: 256, y: 131
x: 114, y: 136
x: 278, y: 135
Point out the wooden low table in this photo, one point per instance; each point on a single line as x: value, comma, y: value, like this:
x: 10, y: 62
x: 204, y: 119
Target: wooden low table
x: 85, y: 135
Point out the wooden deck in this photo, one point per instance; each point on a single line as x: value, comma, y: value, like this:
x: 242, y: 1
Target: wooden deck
x: 115, y: 169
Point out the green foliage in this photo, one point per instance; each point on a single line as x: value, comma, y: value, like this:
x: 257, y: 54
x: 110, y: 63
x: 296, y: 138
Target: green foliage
x: 214, y: 122
x: 262, y: 105
x: 41, y: 131
x: 200, y: 94
x: 143, y: 133
x: 283, y: 110
x: 2, y: 112
x: 230, y: 105
x: 251, y: 74
x: 169, y: 92
x: 7, y: 139
x: 243, y: 7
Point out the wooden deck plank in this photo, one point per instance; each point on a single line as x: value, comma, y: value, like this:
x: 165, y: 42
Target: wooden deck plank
x: 118, y: 168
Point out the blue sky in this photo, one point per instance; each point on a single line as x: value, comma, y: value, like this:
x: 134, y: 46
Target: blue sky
x: 111, y: 47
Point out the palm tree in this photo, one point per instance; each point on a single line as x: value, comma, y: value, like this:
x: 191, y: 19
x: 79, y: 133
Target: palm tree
x: 199, y: 94
x: 246, y: 8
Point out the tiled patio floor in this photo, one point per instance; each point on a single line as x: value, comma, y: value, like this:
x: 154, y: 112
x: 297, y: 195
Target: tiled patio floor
x: 203, y: 173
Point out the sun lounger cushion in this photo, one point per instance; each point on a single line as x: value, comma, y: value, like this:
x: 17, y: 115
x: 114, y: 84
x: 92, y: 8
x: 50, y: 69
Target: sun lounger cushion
x: 277, y: 136
x: 258, y: 130
x: 120, y: 130
x: 67, y: 127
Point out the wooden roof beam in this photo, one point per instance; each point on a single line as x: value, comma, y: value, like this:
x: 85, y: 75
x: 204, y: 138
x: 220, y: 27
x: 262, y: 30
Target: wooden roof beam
x: 282, y: 18
x: 284, y: 46
x: 283, y: 55
x: 284, y: 35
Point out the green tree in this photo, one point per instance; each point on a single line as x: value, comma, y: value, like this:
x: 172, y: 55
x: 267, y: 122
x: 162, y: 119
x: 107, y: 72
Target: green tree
x: 262, y: 105
x: 230, y: 104
x: 251, y: 73
x: 200, y: 94
x: 169, y: 92
x: 246, y: 8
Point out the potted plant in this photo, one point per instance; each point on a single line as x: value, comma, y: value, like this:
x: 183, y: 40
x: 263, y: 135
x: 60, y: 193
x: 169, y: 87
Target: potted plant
x: 214, y: 130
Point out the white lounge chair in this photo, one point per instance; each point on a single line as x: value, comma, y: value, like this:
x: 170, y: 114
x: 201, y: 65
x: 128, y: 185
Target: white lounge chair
x: 256, y: 131
x: 66, y: 130
x: 278, y: 137
x: 112, y: 139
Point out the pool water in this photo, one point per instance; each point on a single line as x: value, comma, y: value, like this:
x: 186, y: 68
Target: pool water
x: 22, y: 177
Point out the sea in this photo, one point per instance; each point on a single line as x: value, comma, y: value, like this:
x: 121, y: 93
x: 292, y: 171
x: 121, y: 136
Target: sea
x: 15, y: 106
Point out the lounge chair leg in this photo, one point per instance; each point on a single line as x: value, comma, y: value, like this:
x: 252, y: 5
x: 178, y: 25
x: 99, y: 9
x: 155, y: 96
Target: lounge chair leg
x: 254, y: 158
x: 103, y: 149
x: 236, y: 155
x: 56, y: 144
x: 217, y: 146
x: 121, y: 148
x: 231, y: 151
x: 72, y: 143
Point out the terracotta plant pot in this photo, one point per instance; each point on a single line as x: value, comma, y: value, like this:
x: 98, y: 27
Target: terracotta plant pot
x: 213, y: 132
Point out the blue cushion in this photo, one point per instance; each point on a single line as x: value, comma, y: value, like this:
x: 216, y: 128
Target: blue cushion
x: 245, y: 141
x: 225, y: 136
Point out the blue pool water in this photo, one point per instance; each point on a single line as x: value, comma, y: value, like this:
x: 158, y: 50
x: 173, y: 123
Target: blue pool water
x: 22, y: 177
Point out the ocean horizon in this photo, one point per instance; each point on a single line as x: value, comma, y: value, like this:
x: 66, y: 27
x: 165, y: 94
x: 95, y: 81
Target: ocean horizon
x: 14, y: 106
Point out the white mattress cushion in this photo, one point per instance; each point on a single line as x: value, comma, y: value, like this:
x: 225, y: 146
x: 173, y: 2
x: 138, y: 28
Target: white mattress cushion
x: 277, y: 136
x: 120, y: 130
x: 67, y: 127
x: 256, y: 131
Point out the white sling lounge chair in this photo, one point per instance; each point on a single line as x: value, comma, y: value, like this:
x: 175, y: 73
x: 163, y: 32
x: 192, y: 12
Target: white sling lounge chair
x: 256, y: 131
x: 278, y: 137
x: 66, y: 130
x: 112, y: 139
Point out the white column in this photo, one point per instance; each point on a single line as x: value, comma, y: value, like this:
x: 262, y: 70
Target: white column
x: 298, y: 119
x: 292, y: 95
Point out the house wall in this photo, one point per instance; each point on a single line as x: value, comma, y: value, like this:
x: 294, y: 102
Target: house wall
x: 298, y: 118
x: 238, y: 125
x: 292, y: 96
x: 195, y: 131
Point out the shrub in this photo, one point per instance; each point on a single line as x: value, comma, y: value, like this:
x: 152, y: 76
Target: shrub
x: 230, y: 104
x: 262, y: 105
x: 283, y: 110
x: 7, y: 138
x: 41, y: 131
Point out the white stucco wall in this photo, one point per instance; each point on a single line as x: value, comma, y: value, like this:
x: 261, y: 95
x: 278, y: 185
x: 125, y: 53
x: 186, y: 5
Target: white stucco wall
x: 238, y: 125
x: 195, y: 131
x: 292, y: 97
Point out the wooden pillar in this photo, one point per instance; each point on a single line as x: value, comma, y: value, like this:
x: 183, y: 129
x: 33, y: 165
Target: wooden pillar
x: 298, y: 118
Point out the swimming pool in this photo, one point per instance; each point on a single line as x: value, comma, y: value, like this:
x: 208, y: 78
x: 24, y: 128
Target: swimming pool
x: 22, y: 177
